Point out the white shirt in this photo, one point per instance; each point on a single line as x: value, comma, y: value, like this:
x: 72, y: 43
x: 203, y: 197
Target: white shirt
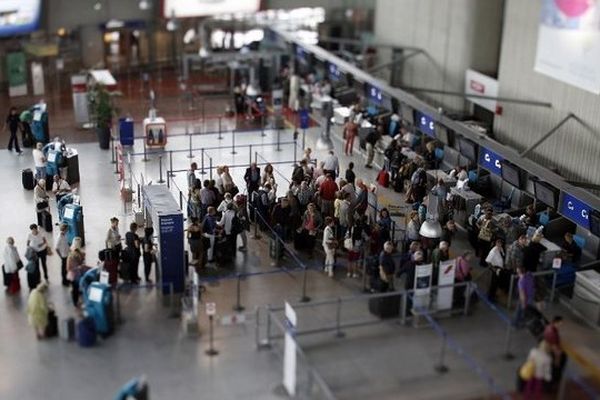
x: 61, y: 186
x: 543, y: 364
x: 331, y: 163
x: 39, y: 159
x: 495, y: 257
x: 11, y: 258
x: 328, y: 236
x: 37, y: 242
x: 226, y: 221
x: 223, y: 206
x: 62, y: 245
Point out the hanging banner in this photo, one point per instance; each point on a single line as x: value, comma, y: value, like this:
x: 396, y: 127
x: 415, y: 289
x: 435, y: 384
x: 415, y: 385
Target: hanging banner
x: 422, y: 286
x: 17, y: 74
x: 568, y: 47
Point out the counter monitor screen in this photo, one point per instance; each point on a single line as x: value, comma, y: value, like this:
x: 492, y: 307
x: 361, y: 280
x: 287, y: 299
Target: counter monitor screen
x: 595, y: 222
x: 95, y: 295
x: 468, y: 149
x: 511, y: 174
x: 546, y: 194
x: 52, y: 156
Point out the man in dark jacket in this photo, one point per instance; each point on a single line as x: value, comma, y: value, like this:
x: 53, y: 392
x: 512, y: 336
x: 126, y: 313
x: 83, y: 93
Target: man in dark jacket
x: 252, y: 178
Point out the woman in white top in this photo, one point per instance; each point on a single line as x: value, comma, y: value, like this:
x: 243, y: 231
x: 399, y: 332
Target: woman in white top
x: 38, y: 243
x: 226, y: 200
x: 62, y: 249
x: 227, y: 180
x: 219, y: 180
x: 495, y: 260
x: 543, y: 370
x: 12, y: 262
x: 412, y: 228
x: 39, y: 160
x: 329, y: 245
x: 267, y: 175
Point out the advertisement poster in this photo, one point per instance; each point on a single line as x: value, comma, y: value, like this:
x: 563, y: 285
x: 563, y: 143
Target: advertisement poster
x: 171, y: 252
x: 568, y: 47
x: 37, y: 78
x: 289, y: 352
x: 17, y: 74
x: 446, y: 274
x: 422, y: 286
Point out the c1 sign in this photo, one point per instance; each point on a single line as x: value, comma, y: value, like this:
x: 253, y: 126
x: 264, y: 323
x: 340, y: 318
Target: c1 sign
x: 334, y: 72
x: 490, y: 161
x: 575, y: 210
x: 425, y: 124
x: 375, y: 94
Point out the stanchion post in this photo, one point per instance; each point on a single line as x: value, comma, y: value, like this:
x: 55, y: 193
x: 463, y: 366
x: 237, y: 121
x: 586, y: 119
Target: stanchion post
x: 511, y: 289
x: 303, y: 138
x: 211, y: 349
x: 266, y: 344
x: 210, y: 168
x: 160, y: 180
x: 404, y: 306
x: 171, y: 173
x: 180, y: 200
x: 553, y: 288
x: 256, y: 157
x: 202, y: 172
x: 304, y: 298
x: 278, y: 139
x: 233, y: 142
x: 139, y: 196
x: 190, y: 155
x: 113, y: 159
x: 220, y: 130
x: 507, y: 341
x: 145, y: 151
x: 467, y: 298
x: 256, y: 234
x: 250, y: 155
x: 118, y: 306
x: 442, y: 367
x: 262, y: 125
x: 238, y: 306
x: 295, y: 151
x: 364, y: 276
x: 338, y: 317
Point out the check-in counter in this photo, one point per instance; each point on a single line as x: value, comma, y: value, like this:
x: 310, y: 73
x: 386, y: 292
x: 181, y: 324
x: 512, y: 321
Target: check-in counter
x: 433, y: 175
x: 464, y: 205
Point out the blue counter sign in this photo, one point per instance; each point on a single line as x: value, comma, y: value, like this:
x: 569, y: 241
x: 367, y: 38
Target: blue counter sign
x: 425, y: 124
x: 375, y: 94
x: 301, y: 54
x: 490, y: 161
x: 575, y: 210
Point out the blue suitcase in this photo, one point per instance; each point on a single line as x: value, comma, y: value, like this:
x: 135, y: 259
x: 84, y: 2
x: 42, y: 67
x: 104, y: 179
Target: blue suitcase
x: 565, y: 276
x: 86, y: 333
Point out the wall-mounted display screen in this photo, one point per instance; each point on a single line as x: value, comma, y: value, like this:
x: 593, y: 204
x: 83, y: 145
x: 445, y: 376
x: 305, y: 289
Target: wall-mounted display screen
x: 511, y: 174
x: 19, y: 17
x: 468, y: 149
x: 546, y: 194
x: 200, y: 8
x: 407, y: 113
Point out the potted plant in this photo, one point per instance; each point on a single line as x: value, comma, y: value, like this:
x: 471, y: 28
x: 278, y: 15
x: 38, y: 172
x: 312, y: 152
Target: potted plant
x: 102, y: 112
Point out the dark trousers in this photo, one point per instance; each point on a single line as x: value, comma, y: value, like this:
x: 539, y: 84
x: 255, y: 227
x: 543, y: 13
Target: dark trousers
x: 63, y: 270
x: 42, y: 257
x: 483, y: 247
x: 14, y: 139
x: 148, y: 259
x: 75, y: 292
x: 33, y: 279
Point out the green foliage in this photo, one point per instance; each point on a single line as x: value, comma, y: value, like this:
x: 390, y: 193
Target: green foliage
x: 101, y: 107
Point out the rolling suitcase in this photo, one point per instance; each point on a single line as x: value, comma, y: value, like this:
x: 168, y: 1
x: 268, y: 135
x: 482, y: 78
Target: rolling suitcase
x: 47, y: 221
x: 27, y: 179
x: 86, y: 333
x: 66, y: 329
x: 52, y: 327
x: 385, y: 307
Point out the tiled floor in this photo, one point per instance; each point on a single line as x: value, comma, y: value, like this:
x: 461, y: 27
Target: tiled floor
x: 151, y: 343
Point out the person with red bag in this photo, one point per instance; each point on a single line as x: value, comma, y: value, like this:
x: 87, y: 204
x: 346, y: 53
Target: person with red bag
x: 11, y: 267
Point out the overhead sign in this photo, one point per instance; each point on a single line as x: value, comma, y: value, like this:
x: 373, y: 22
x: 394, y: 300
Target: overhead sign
x: 289, y: 352
x: 425, y: 124
x: 575, y: 210
x: 211, y: 309
x: 490, y: 161
x: 568, y: 47
x: 301, y: 54
x: 374, y: 94
x: 334, y: 72
x: 199, y: 8
x: 479, y: 84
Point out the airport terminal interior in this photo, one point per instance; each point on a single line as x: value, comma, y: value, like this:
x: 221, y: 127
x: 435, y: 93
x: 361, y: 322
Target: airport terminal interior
x: 301, y: 199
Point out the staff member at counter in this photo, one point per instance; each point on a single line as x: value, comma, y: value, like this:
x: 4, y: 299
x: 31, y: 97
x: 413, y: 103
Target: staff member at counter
x: 571, y: 250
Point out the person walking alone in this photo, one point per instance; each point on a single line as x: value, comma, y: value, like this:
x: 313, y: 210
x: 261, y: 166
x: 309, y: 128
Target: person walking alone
x: 13, y: 122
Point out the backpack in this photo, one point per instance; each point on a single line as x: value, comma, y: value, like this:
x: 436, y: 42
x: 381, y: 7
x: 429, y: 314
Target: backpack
x: 236, y: 225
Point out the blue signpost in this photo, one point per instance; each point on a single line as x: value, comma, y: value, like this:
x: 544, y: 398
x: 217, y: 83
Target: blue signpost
x: 575, y: 210
x: 425, y: 124
x: 490, y: 161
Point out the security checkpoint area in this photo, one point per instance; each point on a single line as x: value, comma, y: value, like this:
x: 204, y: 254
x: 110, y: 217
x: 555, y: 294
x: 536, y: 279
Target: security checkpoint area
x: 270, y: 200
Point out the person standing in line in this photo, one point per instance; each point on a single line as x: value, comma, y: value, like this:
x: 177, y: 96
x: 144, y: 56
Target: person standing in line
x: 329, y: 245
x: 13, y: 122
x: 196, y: 242
x: 37, y: 309
x: 495, y: 261
x: 526, y: 286
x: 327, y: 191
x: 191, y: 177
x: 331, y: 165
x: 387, y: 266
x: 227, y: 222
x: 252, y: 178
x: 542, y: 371
x: 485, y: 237
x: 33, y: 268
x: 39, y: 244
x: 133, y: 250
x: 148, y: 252
x: 113, y: 237
x: 62, y: 249
x: 209, y: 229
x: 60, y: 187
x: 12, y: 264
x: 40, y: 198
x: 350, y: 175
x: 75, y: 268
x: 39, y: 161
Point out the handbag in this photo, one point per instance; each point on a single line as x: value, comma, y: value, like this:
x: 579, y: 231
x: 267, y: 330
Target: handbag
x: 527, y: 370
x: 348, y: 245
x: 42, y: 205
x: 19, y: 265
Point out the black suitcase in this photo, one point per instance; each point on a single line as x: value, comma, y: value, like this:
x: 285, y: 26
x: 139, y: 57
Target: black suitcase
x: 52, y: 327
x: 49, y: 182
x: 47, y: 221
x: 385, y: 307
x: 535, y: 322
x: 27, y: 179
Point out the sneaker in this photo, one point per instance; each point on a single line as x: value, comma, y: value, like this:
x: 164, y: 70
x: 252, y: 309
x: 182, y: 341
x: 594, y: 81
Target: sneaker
x: 19, y: 153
